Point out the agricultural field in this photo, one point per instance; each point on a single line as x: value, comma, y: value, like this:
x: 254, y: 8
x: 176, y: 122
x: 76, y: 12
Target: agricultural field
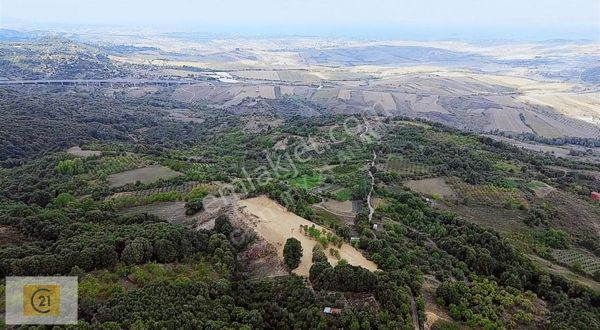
x: 257, y: 75
x: 345, y: 208
x: 435, y: 187
x: 173, y: 212
x: 539, y: 126
x: 182, y: 189
x: 488, y: 194
x: 383, y: 100
x: 578, y: 260
x: 109, y: 165
x: 506, y: 120
x: 404, y: 167
x: 271, y: 221
x: 145, y: 175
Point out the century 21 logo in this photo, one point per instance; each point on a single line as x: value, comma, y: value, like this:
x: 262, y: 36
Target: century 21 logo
x: 41, y: 300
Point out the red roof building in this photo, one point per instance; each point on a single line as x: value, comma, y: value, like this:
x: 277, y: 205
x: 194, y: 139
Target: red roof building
x: 596, y: 196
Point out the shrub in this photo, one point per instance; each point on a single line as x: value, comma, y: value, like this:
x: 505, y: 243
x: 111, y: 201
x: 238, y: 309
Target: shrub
x: 193, y: 206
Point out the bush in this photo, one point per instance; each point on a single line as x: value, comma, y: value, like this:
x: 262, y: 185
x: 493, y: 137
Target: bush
x: 319, y: 254
x: 193, y: 206
x: 223, y: 225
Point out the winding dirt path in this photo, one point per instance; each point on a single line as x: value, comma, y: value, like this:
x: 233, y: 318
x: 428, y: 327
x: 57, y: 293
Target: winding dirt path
x: 369, y: 197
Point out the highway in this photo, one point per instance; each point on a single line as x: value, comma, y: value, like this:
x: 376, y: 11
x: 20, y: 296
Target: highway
x: 98, y: 82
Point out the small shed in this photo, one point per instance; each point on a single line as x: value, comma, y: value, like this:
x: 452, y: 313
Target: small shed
x: 332, y: 311
x: 596, y: 196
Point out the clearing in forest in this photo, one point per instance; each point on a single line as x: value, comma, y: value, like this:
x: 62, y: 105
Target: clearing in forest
x: 145, y: 175
x: 275, y: 224
x: 307, y: 182
x: 432, y: 187
x: 540, y: 188
x: 77, y: 151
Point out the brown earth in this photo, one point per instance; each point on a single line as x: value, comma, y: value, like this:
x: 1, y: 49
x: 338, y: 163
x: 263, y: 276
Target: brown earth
x: 275, y: 224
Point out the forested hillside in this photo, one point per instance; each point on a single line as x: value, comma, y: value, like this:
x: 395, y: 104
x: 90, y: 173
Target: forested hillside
x: 466, y: 231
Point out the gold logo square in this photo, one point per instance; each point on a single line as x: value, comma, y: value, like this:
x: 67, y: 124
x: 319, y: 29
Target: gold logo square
x: 41, y: 300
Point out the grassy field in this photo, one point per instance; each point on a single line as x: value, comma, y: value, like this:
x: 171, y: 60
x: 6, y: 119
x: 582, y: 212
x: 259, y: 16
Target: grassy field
x: 307, y: 182
x: 533, y: 185
x: 508, y: 167
x: 343, y: 195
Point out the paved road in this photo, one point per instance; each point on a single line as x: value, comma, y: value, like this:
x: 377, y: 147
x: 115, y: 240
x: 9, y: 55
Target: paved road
x: 96, y: 82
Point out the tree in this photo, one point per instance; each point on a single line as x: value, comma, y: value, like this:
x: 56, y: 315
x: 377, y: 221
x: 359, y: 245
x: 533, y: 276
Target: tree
x: 223, y: 225
x: 165, y: 251
x: 292, y: 253
x: 137, y: 252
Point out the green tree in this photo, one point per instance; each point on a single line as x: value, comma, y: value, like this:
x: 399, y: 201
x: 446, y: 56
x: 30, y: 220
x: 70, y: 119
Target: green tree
x: 137, y: 252
x: 292, y: 253
x: 164, y: 251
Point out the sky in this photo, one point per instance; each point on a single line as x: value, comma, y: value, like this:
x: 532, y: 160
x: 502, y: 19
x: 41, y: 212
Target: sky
x: 570, y: 19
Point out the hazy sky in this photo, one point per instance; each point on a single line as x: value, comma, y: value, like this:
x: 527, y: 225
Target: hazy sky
x: 443, y: 18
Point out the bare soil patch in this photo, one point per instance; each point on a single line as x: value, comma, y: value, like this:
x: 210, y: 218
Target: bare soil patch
x: 184, y: 115
x: 339, y: 207
x: 9, y: 235
x: 542, y: 190
x: 435, y: 186
x: 433, y: 312
x: 275, y: 224
x: 77, y: 151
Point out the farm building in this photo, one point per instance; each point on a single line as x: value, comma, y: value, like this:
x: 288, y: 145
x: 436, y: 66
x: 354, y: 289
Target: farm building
x: 332, y: 311
x: 596, y: 196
